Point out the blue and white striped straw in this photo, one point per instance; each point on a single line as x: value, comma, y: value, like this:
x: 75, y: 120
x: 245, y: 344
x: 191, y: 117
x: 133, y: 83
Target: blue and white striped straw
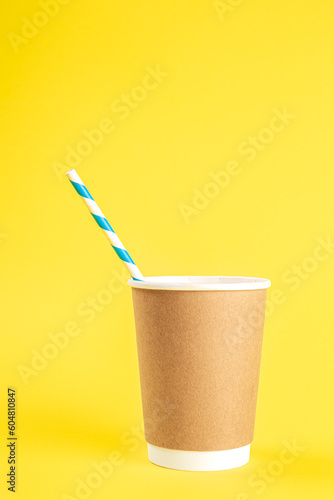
x: 104, y: 224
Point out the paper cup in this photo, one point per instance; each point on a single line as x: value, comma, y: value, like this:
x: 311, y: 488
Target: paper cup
x: 199, y: 342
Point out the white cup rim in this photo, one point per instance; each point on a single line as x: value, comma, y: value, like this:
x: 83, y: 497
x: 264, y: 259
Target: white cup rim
x: 200, y: 283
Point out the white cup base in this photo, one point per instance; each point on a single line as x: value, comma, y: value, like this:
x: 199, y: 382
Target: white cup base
x: 199, y: 460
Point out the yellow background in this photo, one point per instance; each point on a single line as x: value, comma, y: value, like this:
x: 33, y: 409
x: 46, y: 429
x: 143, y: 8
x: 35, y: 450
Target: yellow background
x: 229, y: 66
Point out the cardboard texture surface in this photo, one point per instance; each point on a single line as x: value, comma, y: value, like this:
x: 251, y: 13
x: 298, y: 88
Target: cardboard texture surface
x: 199, y: 359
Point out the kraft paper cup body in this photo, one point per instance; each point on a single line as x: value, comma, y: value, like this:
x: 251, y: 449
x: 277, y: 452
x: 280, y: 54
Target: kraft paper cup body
x: 199, y: 343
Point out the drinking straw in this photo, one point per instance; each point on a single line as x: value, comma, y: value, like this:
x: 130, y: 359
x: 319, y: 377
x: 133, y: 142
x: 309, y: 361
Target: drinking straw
x: 104, y: 224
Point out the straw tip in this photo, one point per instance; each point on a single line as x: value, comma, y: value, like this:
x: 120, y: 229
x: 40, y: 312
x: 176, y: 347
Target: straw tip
x: 70, y: 171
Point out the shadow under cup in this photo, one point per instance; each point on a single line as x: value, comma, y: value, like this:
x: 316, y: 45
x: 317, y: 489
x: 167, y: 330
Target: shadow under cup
x: 199, y: 343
